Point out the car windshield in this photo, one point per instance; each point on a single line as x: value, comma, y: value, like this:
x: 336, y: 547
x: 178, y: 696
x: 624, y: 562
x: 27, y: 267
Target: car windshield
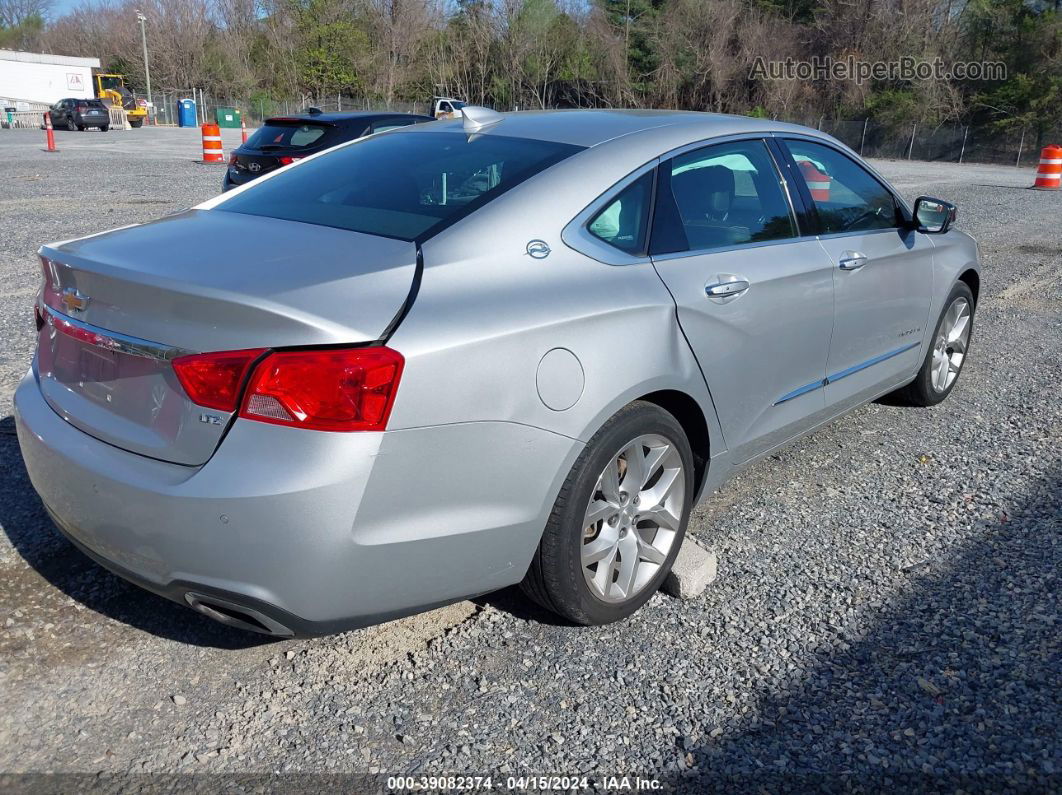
x: 286, y: 135
x: 405, y: 186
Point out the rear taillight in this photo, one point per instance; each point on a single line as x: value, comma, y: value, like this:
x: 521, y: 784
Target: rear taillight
x: 346, y: 389
x: 287, y: 160
x: 232, y: 159
x: 215, y: 380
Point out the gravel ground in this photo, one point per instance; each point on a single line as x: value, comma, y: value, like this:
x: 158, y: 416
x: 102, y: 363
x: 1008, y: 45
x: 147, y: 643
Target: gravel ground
x: 886, y: 612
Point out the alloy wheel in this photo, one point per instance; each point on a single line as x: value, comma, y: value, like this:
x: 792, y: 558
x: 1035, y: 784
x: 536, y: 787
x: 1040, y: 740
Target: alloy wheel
x: 633, y: 518
x: 949, y: 348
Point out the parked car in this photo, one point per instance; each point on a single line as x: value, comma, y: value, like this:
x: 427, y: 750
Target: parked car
x: 285, y: 139
x: 80, y: 114
x: 504, y: 349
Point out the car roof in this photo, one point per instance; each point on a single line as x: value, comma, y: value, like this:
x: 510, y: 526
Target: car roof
x: 339, y: 118
x: 590, y: 128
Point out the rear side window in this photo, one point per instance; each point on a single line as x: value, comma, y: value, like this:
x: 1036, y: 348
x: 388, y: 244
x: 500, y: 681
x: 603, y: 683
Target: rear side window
x: 623, y: 223
x: 720, y: 196
x: 287, y: 136
x: 847, y: 197
x: 403, y: 186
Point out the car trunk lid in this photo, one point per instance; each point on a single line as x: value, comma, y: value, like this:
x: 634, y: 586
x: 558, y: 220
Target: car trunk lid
x: 120, y: 306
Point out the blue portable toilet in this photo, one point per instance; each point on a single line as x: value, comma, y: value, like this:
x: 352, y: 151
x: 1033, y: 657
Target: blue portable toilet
x: 186, y: 113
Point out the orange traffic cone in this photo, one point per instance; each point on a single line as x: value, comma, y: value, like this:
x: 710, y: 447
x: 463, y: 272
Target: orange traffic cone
x: 49, y: 134
x: 818, y: 182
x: 213, y: 152
x: 1049, y: 175
x: 243, y: 129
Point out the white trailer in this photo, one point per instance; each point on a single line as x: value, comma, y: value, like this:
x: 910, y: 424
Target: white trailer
x: 32, y: 77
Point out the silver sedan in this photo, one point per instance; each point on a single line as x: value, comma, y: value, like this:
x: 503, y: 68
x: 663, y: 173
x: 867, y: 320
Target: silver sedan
x: 493, y: 350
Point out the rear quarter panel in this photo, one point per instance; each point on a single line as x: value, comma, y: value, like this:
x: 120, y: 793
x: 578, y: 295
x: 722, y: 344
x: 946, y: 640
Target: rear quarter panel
x: 487, y: 313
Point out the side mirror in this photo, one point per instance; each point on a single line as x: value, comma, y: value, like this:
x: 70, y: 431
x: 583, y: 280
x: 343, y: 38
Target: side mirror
x: 933, y: 216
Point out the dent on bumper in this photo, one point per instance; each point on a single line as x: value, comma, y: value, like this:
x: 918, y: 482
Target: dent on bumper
x: 330, y: 528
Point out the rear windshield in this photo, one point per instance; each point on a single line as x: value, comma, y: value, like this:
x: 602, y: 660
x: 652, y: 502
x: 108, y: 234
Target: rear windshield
x: 402, y: 185
x: 90, y: 103
x: 287, y: 136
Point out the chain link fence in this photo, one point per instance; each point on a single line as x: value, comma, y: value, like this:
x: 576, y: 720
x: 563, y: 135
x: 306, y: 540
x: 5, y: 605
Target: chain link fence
x: 956, y: 143
x: 255, y: 110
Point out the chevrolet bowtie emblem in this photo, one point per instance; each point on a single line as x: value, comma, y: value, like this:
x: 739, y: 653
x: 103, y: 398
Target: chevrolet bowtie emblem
x: 73, y: 300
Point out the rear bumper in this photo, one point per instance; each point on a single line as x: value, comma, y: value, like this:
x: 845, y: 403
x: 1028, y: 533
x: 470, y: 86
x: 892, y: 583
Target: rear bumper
x: 309, y: 531
x: 234, y: 180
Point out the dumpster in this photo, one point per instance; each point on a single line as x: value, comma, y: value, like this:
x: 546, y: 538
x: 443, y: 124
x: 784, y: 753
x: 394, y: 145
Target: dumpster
x: 228, y: 117
x: 186, y: 116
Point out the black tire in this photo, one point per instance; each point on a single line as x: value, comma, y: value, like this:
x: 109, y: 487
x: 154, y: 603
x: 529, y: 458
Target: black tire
x: 921, y: 391
x: 104, y: 128
x: 555, y: 579
x: 70, y: 125
x: 136, y: 123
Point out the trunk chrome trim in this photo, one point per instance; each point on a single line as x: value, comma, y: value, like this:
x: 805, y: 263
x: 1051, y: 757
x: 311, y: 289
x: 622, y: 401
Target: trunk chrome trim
x: 109, y: 340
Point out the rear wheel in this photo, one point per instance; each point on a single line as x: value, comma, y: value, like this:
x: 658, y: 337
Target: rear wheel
x: 947, y: 354
x: 619, y: 520
x: 70, y: 125
x: 104, y: 128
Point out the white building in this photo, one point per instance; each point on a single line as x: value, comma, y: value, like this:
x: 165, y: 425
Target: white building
x: 41, y: 78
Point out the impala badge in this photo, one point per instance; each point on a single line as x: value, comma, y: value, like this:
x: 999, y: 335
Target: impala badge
x: 73, y: 300
x: 538, y: 249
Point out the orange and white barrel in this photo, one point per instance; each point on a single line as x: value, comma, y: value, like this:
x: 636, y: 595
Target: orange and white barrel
x: 213, y: 152
x: 818, y: 182
x: 1049, y: 175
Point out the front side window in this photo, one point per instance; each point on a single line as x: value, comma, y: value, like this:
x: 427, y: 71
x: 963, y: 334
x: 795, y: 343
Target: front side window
x: 720, y: 196
x: 403, y: 186
x: 847, y: 197
x: 624, y: 221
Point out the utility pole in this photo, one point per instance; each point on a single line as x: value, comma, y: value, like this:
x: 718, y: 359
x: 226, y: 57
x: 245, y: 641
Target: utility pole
x: 147, y: 69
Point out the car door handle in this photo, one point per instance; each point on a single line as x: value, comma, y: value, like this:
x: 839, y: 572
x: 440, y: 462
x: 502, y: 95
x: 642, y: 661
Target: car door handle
x: 852, y: 260
x: 725, y: 289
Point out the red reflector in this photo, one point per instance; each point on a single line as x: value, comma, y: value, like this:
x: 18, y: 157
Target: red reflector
x: 286, y: 160
x: 348, y: 389
x: 214, y: 379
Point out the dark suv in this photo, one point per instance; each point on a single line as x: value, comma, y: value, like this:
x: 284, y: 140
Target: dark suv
x: 285, y: 139
x: 79, y: 114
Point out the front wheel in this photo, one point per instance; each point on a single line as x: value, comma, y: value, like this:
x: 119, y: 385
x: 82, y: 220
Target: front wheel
x: 104, y: 128
x: 135, y: 123
x: 947, y: 354
x: 618, y: 521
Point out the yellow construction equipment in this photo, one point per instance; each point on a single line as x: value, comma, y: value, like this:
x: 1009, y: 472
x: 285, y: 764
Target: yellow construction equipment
x: 111, y: 89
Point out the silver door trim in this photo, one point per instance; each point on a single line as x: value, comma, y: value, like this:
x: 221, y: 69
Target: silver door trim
x: 835, y: 377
